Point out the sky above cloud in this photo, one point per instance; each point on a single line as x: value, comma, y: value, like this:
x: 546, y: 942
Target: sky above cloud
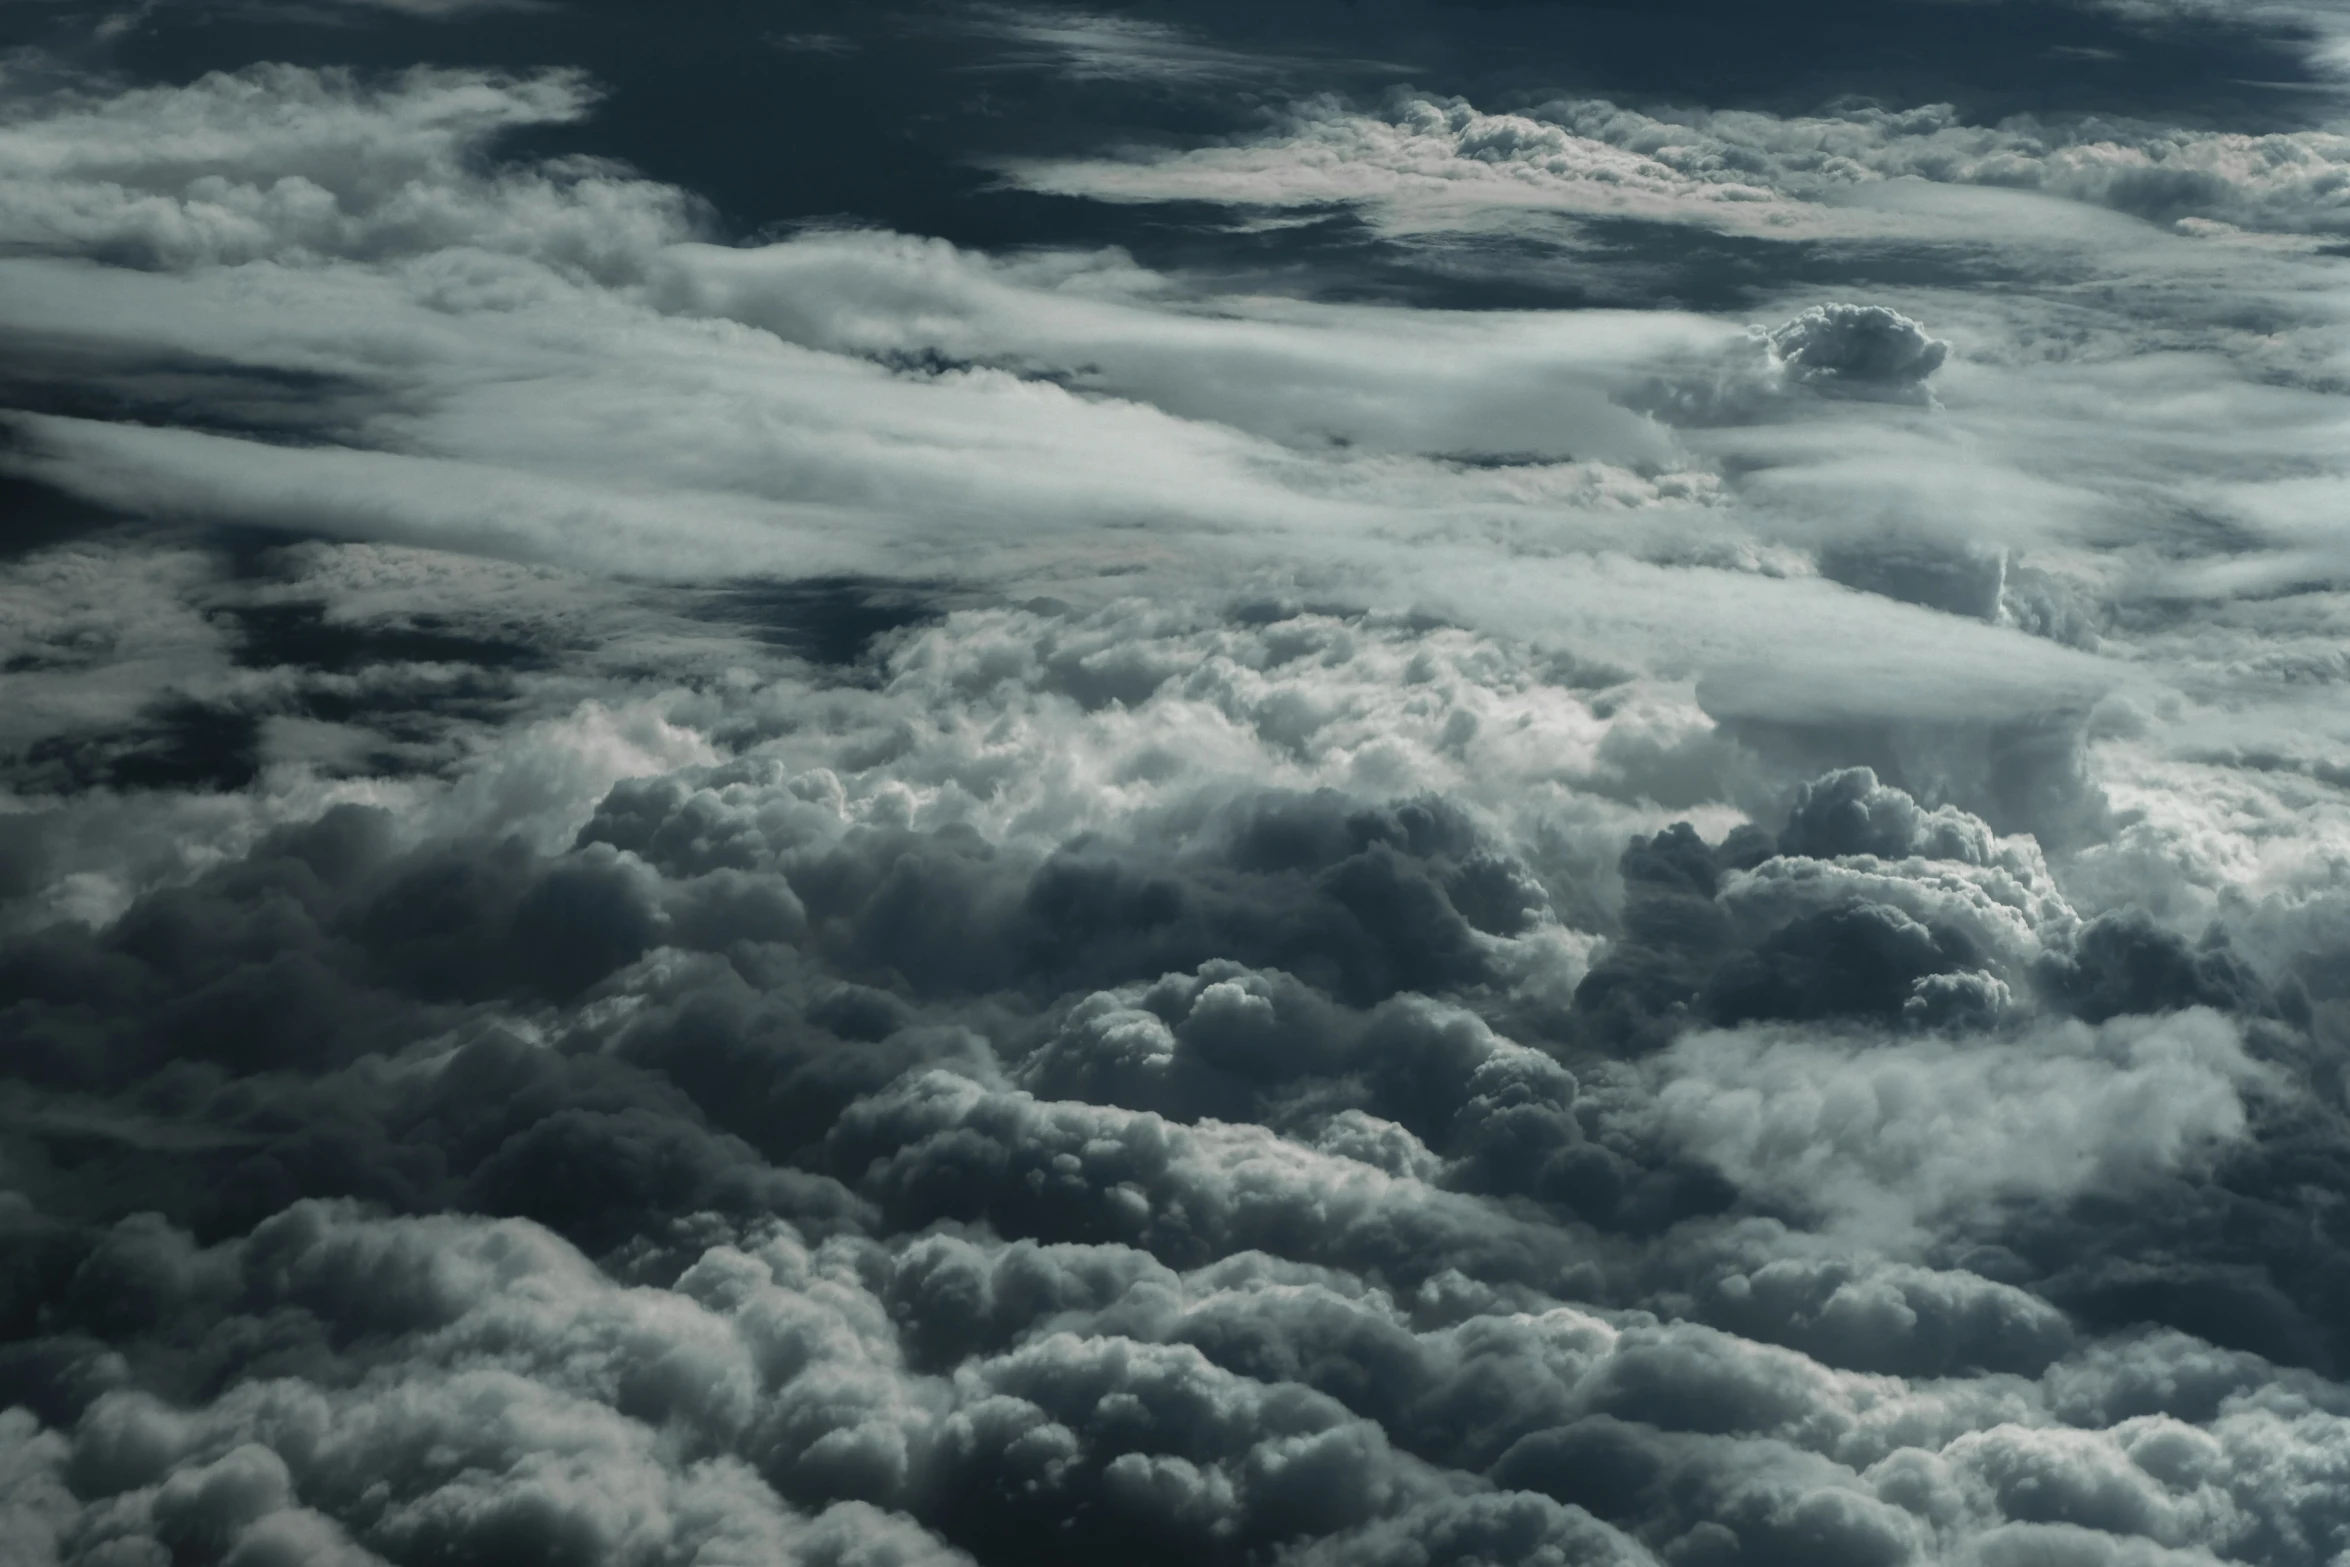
x: 1411, y: 783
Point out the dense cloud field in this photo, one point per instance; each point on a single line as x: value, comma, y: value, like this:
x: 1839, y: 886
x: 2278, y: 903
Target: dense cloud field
x: 1376, y: 786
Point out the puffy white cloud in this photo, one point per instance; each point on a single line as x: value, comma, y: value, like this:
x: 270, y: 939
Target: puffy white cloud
x: 1857, y: 350
x: 1885, y: 1137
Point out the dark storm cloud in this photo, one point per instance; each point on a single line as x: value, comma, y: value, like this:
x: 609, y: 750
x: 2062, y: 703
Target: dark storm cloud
x: 1072, y: 835
x: 1869, y: 906
x: 1143, y: 1313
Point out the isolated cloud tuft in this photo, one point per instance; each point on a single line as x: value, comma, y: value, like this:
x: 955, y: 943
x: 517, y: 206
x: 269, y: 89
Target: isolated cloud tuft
x: 1857, y: 351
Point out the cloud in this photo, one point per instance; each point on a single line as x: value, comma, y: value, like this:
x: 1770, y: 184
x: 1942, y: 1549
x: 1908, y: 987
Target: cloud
x: 1857, y: 350
x: 437, y: 8
x: 275, y: 160
x: 1074, y: 390
x: 1091, y: 46
x: 854, y: 899
x: 1929, y: 1128
x: 2316, y: 29
x: 1422, y: 162
x: 814, y: 43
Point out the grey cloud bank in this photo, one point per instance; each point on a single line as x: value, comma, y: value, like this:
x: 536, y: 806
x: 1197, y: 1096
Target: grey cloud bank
x: 678, y: 896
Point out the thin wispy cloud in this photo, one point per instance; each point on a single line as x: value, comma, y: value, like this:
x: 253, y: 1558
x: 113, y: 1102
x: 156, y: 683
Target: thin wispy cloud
x: 815, y: 43
x: 1420, y: 161
x: 2319, y: 31
x: 1094, y: 46
x: 1089, y: 46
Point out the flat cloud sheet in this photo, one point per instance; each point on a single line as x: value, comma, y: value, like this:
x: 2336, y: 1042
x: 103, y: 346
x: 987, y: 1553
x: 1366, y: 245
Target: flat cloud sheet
x: 1412, y: 784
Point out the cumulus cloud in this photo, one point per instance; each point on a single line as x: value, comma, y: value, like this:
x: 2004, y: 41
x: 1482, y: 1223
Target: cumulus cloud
x: 1857, y: 350
x: 860, y: 900
x: 1226, y: 1258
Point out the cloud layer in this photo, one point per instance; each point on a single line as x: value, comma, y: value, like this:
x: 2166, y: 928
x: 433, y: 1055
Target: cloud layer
x: 855, y: 900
